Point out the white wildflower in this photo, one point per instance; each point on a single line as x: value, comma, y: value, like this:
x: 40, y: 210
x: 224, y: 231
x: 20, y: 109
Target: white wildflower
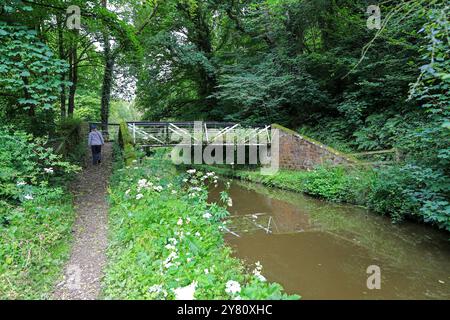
x: 261, y: 278
x: 180, y: 222
x: 257, y: 272
x: 127, y: 192
x: 139, y: 196
x: 170, y: 247
x: 21, y: 183
x: 192, y: 171
x: 172, y: 255
x: 207, y: 215
x: 28, y: 197
x: 49, y: 170
x: 186, y: 293
x: 157, y: 288
x: 142, y: 183
x: 206, y: 271
x: 232, y: 287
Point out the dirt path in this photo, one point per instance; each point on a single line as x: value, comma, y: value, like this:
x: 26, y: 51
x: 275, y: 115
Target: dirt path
x: 83, y: 271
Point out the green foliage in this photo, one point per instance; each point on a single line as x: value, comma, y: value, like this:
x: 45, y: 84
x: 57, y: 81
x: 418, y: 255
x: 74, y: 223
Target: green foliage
x: 164, y: 236
x: 34, y: 241
x: 331, y: 183
x: 123, y: 111
x: 72, y: 143
x: 35, y: 216
x: 88, y: 107
x: 412, y: 191
x: 29, y: 72
x: 28, y: 166
x: 126, y: 143
x: 401, y: 192
x: 271, y: 88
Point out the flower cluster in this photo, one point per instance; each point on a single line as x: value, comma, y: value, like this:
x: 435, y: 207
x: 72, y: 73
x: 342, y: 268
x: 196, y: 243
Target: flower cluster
x: 158, y: 289
x: 178, y: 236
x: 186, y: 293
x: 257, y: 272
x: 232, y: 287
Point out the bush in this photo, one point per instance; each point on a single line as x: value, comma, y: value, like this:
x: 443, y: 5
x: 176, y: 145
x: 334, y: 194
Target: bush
x: 166, y: 239
x: 28, y: 166
x: 35, y: 216
x: 412, y: 191
x: 72, y: 141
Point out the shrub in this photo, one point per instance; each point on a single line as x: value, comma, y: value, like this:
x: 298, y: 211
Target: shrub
x: 27, y: 165
x: 35, y: 216
x: 72, y: 143
x: 412, y: 191
x: 166, y: 239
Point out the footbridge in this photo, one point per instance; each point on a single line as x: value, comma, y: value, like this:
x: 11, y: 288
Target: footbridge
x: 295, y: 151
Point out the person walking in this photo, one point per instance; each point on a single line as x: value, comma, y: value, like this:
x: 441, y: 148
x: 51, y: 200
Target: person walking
x: 96, y: 142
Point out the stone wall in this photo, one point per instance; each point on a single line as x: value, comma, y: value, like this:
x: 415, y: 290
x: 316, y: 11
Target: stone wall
x: 298, y: 152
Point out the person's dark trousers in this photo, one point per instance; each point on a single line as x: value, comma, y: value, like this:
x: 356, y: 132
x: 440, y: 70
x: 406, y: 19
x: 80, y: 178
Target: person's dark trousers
x: 96, y: 154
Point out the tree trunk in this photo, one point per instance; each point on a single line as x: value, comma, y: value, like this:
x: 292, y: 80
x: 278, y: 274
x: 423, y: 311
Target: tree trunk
x: 62, y: 96
x: 107, y: 77
x: 106, y: 90
x: 73, y: 60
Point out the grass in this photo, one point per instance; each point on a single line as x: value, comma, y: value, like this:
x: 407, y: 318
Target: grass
x: 166, y: 241
x: 336, y: 184
x: 34, y: 244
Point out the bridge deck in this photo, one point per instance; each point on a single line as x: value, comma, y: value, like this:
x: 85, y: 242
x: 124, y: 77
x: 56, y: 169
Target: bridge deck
x: 168, y: 134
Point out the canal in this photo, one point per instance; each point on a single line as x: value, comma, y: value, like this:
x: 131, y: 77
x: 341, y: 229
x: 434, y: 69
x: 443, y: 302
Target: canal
x: 322, y: 250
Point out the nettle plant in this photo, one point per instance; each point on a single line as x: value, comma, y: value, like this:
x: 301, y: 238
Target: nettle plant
x: 28, y: 166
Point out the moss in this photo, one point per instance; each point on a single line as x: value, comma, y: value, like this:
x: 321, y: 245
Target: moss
x: 126, y: 143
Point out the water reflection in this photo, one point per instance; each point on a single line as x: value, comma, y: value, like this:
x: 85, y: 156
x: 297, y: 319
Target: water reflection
x: 322, y: 250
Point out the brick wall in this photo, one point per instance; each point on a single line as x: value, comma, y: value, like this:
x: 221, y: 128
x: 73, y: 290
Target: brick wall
x: 301, y: 153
